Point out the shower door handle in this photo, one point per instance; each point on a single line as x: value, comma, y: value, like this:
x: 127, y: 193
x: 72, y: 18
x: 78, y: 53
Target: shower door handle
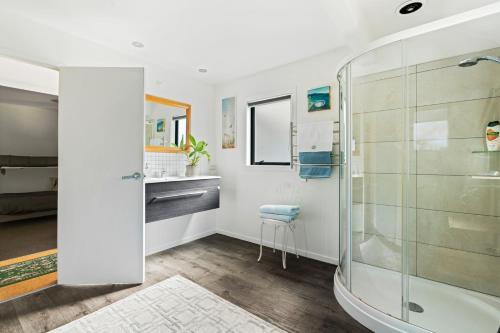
x: 291, y: 145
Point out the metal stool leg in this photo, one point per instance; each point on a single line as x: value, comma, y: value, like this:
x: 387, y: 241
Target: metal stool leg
x: 261, y: 229
x: 274, y: 239
x: 283, y: 252
x: 292, y: 228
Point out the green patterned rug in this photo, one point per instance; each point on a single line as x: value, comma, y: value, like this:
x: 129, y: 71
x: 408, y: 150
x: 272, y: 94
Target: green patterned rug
x: 28, y: 269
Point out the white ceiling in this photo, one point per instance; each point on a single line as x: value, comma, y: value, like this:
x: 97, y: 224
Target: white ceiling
x: 232, y: 38
x: 379, y: 18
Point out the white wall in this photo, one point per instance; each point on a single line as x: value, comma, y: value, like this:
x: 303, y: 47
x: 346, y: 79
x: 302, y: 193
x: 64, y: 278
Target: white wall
x: 27, y: 131
x: 34, y: 42
x: 245, y: 188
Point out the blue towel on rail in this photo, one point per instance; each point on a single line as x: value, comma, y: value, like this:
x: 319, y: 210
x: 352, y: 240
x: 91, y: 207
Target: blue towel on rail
x: 315, y: 171
x: 280, y: 209
x: 284, y: 218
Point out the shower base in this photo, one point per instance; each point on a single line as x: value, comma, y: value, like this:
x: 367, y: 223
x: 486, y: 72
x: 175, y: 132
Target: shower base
x: 446, y: 309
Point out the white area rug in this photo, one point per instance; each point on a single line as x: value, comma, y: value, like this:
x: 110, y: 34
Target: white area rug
x: 173, y: 305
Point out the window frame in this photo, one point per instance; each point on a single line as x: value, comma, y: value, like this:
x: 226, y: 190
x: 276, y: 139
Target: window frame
x: 251, y: 111
x: 175, y: 120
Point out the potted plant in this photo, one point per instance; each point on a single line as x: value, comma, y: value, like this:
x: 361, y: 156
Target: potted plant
x: 193, y: 151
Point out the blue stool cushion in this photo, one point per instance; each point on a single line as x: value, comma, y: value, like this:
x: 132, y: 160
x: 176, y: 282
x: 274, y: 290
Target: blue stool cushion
x: 279, y: 217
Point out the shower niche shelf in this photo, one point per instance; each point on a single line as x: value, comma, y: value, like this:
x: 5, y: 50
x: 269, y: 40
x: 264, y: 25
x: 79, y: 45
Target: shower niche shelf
x: 486, y: 177
x: 486, y: 151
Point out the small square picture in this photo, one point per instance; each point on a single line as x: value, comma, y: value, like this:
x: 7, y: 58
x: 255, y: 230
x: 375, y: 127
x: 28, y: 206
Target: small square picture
x: 160, y: 125
x: 318, y: 99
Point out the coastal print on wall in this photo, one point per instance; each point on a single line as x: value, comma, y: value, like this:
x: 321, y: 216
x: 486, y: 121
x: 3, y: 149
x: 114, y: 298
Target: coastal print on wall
x: 318, y: 99
x: 160, y: 125
x: 229, y: 122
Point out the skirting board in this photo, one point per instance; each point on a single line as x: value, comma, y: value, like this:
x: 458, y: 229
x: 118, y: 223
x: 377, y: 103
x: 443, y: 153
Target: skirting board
x: 304, y: 253
x: 185, y: 240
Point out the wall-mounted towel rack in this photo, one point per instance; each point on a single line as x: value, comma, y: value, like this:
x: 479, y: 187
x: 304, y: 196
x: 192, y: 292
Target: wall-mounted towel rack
x: 331, y: 164
x: 294, y: 158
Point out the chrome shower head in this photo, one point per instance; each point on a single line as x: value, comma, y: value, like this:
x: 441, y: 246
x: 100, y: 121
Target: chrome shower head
x: 473, y: 61
x: 468, y: 62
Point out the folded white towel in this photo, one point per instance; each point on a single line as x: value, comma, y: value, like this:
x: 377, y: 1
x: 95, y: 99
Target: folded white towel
x: 283, y: 218
x: 317, y: 136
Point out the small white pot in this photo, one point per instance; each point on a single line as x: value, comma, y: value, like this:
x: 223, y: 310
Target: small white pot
x: 192, y: 171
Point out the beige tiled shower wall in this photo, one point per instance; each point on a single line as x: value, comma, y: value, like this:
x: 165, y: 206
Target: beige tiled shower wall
x: 453, y: 227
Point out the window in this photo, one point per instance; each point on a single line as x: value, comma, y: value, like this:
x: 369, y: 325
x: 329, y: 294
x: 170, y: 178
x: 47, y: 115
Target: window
x: 178, y: 132
x: 270, y: 131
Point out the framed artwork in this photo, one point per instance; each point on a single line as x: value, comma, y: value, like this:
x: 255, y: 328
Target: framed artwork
x: 318, y: 99
x: 160, y: 125
x: 229, y: 123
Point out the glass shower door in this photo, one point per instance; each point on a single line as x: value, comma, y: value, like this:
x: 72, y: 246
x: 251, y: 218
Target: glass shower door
x: 379, y: 176
x: 345, y: 180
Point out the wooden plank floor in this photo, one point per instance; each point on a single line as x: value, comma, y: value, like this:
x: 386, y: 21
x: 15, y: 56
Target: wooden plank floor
x: 299, y: 299
x: 23, y: 237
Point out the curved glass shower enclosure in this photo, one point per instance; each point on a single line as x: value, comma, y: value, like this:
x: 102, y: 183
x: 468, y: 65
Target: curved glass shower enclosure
x: 420, y: 191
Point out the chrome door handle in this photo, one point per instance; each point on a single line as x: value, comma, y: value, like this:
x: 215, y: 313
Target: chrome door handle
x: 134, y: 176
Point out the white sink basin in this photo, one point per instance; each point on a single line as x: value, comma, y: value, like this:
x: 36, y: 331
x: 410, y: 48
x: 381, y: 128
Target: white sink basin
x: 161, y: 179
x: 175, y: 179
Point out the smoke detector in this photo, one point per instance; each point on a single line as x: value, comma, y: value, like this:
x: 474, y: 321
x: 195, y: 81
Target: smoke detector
x: 137, y: 44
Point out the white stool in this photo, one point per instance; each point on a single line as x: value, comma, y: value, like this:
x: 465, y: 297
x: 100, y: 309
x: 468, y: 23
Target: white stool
x: 279, y: 224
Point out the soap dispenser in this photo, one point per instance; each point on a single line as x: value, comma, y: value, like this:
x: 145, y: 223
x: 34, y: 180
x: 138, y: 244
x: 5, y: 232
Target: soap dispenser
x: 493, y: 136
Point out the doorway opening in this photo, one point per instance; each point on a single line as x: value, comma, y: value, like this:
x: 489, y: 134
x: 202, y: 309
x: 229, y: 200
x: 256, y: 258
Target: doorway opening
x: 28, y: 178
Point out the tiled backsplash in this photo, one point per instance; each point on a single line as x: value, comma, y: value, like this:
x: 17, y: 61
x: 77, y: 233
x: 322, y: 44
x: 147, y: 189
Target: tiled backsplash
x: 170, y: 164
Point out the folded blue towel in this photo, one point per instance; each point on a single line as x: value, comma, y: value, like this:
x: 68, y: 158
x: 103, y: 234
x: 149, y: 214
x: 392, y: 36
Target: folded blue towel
x: 280, y: 209
x: 284, y: 218
x: 311, y: 172
x: 315, y: 171
x: 315, y: 157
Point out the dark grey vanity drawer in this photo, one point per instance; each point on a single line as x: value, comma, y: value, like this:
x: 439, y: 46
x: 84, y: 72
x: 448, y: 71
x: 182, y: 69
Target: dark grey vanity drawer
x: 171, y: 199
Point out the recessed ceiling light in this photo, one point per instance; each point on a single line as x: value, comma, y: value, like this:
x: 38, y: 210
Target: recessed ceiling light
x: 137, y: 44
x: 202, y: 70
x: 409, y: 7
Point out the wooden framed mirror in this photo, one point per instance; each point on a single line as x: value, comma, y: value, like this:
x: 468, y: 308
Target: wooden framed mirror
x: 167, y: 122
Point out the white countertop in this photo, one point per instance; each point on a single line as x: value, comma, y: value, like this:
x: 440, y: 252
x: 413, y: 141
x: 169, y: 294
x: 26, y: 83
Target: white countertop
x: 149, y: 180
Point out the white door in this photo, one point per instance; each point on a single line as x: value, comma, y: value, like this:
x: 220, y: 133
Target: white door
x: 100, y: 215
